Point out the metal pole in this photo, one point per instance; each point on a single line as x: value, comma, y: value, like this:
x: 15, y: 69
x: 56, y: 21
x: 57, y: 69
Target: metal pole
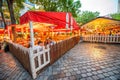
x: 31, y: 34
x: 71, y: 24
x: 67, y: 20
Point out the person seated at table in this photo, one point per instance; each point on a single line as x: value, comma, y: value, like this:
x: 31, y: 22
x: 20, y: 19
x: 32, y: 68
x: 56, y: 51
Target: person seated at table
x: 49, y: 41
x: 46, y: 42
x: 40, y: 44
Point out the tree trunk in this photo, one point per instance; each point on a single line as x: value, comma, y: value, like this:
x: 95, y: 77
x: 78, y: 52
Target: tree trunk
x: 2, y: 15
x: 13, y: 21
x: 5, y: 25
x: 10, y: 7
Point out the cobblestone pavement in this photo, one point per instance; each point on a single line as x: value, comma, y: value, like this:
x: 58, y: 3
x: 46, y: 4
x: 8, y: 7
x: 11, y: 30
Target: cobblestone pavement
x: 86, y: 61
x: 11, y: 69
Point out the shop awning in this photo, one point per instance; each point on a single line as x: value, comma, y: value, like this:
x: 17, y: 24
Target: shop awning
x: 102, y: 24
x: 54, y: 18
x: 1, y: 31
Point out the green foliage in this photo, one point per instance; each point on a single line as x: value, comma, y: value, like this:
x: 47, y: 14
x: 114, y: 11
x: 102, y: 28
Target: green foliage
x: 5, y: 10
x: 17, y: 6
x: 70, y: 6
x: 86, y: 16
x: 115, y: 16
x: 47, y: 5
x: 13, y: 7
x: 17, y: 13
x: 59, y: 5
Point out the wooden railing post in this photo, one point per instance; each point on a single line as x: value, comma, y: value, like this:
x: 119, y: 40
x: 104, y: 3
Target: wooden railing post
x: 114, y: 38
x: 105, y: 39
x: 32, y: 63
x: 117, y: 38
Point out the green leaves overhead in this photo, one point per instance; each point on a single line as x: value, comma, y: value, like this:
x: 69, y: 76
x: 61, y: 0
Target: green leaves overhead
x: 115, y: 16
x: 86, y: 16
x: 59, y: 5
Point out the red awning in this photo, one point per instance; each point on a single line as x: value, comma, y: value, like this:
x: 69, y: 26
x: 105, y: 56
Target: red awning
x: 56, y: 18
x: 1, y: 31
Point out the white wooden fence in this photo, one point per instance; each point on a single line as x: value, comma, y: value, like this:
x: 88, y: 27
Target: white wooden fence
x: 33, y: 59
x: 102, y: 38
x: 39, y: 58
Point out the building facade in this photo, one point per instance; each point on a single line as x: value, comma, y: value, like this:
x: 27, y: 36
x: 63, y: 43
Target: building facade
x: 118, y: 6
x: 8, y: 22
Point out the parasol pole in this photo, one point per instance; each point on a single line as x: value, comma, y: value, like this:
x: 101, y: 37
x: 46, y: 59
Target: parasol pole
x: 67, y: 21
x: 31, y: 34
x: 71, y: 26
x: 67, y: 18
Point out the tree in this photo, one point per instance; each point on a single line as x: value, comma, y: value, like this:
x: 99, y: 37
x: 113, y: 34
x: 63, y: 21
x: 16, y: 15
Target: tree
x: 86, y: 16
x: 11, y: 11
x: 47, y: 5
x: 115, y: 16
x: 59, y: 5
x: 70, y: 6
x: 17, y: 13
x: 18, y: 3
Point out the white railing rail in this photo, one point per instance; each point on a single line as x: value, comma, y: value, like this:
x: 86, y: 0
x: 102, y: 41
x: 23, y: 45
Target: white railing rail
x: 39, y: 58
x: 102, y: 38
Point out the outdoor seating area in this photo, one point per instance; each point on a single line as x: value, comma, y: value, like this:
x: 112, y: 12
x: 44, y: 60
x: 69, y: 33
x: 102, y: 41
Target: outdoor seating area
x: 59, y: 40
x: 23, y: 54
x: 101, y: 29
x: 55, y: 37
x: 40, y: 40
x: 37, y: 45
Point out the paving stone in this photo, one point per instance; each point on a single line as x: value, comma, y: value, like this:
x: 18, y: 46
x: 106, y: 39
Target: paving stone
x: 106, y: 74
x: 89, y: 74
x: 93, y: 69
x: 72, y: 78
x: 78, y: 76
x: 59, y: 79
x: 54, y: 73
x: 88, y: 70
x: 75, y: 69
x: 78, y: 72
x: 101, y: 76
x: 83, y: 71
x: 95, y: 77
x: 70, y: 70
x: 117, y: 76
x: 94, y: 72
x: 113, y: 78
x: 99, y: 71
x: 83, y: 79
x: 107, y: 78
x: 68, y: 74
x: 66, y: 78
x: 89, y: 78
x: 77, y: 64
x: 111, y: 73
x: 84, y: 75
x: 73, y: 73
x: 116, y: 72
